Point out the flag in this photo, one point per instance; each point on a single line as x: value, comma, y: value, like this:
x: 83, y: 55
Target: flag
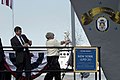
x: 8, y: 3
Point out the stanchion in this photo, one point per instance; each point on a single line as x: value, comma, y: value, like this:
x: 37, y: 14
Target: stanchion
x: 74, y: 76
x: 81, y: 77
x: 99, y: 63
x: 95, y: 75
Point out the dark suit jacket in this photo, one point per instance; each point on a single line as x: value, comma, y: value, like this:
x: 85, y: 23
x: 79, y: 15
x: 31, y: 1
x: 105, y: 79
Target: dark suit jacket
x: 18, y: 48
x: 1, y: 51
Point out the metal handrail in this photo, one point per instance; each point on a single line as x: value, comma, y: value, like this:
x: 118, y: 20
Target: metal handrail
x: 36, y: 47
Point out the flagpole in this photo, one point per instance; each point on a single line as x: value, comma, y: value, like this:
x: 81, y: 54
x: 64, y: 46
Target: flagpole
x: 12, y: 8
x: 12, y: 16
x: 13, y: 21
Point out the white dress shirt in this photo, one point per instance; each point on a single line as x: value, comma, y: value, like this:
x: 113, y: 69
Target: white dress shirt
x: 20, y: 40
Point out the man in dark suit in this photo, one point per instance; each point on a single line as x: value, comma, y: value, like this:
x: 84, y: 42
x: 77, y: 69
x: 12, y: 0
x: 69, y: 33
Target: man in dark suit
x: 20, y: 45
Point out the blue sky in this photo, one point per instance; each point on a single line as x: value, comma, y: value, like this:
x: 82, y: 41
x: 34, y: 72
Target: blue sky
x: 36, y: 17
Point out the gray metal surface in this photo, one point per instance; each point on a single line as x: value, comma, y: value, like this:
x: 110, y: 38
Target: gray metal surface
x: 109, y: 40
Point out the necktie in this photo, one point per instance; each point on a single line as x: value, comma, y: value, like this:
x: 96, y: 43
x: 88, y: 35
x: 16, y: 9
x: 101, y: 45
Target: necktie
x: 21, y: 39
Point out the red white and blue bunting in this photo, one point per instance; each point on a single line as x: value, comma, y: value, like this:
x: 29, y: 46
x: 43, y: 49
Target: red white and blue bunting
x: 38, y: 63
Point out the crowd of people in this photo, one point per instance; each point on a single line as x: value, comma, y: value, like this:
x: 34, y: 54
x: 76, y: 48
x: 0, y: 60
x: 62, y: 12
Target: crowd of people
x: 20, y: 44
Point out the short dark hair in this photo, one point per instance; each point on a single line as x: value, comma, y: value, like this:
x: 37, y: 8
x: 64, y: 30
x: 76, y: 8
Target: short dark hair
x: 49, y: 35
x: 17, y: 28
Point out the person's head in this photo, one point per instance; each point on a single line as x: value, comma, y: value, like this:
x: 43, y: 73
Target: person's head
x: 49, y: 35
x: 18, y: 30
